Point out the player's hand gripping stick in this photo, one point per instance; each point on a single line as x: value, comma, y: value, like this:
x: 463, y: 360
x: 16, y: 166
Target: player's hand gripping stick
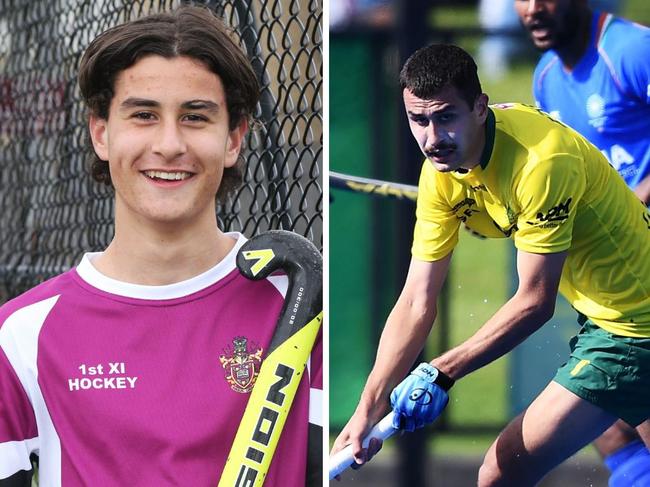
x: 417, y: 400
x: 294, y: 336
x: 342, y: 459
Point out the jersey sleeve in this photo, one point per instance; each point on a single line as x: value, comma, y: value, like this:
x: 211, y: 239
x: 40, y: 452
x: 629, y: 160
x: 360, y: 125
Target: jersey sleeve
x: 18, y: 431
x: 626, y: 47
x: 539, y: 77
x: 549, y: 194
x: 436, y: 225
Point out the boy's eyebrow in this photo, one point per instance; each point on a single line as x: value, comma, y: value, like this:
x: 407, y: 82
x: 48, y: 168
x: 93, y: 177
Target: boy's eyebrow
x: 135, y: 102
x: 208, y: 105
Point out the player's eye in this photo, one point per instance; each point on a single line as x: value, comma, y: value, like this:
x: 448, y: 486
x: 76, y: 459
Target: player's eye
x: 421, y: 121
x: 193, y: 117
x: 446, y: 117
x: 143, y: 116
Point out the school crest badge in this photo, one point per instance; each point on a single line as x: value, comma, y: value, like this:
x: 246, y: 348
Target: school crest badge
x: 241, y: 366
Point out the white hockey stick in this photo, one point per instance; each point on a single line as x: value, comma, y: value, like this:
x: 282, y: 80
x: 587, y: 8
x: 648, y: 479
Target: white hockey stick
x: 343, y: 459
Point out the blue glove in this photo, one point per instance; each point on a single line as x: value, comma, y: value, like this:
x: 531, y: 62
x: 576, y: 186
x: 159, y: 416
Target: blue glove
x: 420, y: 398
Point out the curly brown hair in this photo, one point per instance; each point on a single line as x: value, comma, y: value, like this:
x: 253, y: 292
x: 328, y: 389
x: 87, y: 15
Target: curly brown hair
x: 188, y: 31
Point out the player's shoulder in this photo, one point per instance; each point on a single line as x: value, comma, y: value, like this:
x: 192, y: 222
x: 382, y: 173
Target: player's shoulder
x: 547, y: 64
x: 514, y: 117
x: 622, y: 39
x: 42, y: 293
x: 525, y: 129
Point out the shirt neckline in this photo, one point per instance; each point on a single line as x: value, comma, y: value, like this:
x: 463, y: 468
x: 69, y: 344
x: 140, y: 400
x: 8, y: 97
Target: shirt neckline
x: 91, y: 276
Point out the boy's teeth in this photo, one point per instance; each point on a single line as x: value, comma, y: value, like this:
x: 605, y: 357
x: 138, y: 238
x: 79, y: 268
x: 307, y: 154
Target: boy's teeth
x: 169, y: 176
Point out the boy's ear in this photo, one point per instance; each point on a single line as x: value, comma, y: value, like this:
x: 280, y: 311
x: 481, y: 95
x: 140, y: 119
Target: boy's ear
x: 99, y: 136
x: 235, y: 141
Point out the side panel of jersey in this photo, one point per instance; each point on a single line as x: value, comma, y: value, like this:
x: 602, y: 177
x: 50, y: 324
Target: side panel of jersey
x: 606, y: 95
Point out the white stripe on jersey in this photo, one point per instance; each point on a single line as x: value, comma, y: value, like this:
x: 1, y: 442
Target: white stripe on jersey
x: 281, y: 283
x: 19, y: 340
x: 316, y: 407
x: 15, y: 456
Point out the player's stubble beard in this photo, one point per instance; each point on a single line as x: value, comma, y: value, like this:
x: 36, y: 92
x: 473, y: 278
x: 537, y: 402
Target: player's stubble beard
x: 566, y: 29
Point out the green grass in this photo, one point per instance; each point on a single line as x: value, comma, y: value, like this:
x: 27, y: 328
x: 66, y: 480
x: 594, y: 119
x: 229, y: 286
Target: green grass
x: 477, y: 290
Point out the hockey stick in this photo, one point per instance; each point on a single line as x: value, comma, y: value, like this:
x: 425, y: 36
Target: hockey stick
x: 342, y: 459
x: 300, y: 319
x: 379, y: 187
x: 373, y: 186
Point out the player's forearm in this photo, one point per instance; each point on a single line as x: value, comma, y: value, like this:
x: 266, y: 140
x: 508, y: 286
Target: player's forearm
x: 401, y: 341
x: 515, y: 321
x: 643, y: 190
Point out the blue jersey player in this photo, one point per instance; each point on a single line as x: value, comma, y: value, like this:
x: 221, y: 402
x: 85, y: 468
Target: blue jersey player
x: 594, y: 76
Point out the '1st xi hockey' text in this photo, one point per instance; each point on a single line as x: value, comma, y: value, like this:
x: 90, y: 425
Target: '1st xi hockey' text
x: 110, y: 377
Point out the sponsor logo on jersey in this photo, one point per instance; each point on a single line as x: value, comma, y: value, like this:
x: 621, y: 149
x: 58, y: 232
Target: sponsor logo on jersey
x: 241, y: 366
x: 553, y: 217
x: 512, y: 223
x: 464, y: 209
x: 596, y: 111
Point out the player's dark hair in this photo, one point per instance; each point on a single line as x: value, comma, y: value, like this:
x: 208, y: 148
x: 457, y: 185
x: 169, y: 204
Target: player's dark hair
x: 430, y: 69
x: 189, y: 31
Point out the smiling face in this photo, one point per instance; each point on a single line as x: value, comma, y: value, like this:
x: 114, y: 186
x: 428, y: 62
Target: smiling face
x: 448, y: 133
x: 552, y: 24
x: 166, y: 140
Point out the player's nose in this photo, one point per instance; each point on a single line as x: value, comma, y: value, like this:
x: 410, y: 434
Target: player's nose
x: 169, y: 141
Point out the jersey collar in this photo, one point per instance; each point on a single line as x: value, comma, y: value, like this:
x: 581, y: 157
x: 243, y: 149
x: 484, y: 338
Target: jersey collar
x: 90, y: 275
x: 490, y: 124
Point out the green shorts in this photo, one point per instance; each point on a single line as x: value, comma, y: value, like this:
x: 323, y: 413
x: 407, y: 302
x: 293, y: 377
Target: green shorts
x: 610, y: 371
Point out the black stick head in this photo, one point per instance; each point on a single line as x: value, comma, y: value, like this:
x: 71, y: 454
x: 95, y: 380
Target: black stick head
x: 303, y: 264
x: 279, y: 249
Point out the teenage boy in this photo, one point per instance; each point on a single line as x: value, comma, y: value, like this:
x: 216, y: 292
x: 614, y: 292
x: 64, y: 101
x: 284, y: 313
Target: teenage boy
x: 135, y: 367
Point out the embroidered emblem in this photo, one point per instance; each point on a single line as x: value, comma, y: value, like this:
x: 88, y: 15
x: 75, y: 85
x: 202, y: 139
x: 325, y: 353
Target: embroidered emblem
x: 596, y: 111
x: 595, y: 106
x: 240, y: 365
